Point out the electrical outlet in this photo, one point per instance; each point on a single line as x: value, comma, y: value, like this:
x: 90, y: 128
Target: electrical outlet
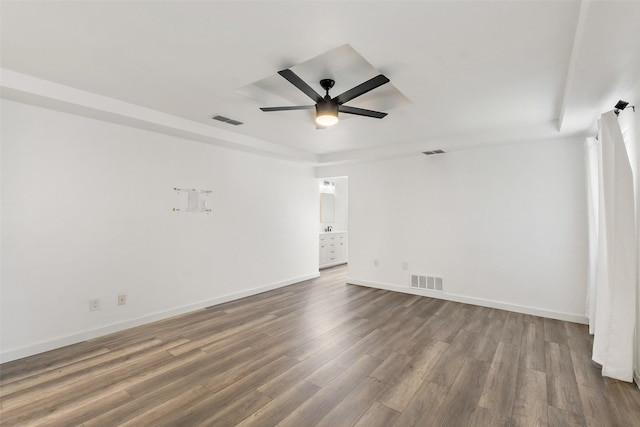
x: 405, y: 265
x: 94, y: 304
x: 376, y: 263
x: 122, y: 299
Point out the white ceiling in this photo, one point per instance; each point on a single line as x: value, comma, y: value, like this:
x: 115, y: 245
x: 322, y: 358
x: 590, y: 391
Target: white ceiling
x: 472, y: 72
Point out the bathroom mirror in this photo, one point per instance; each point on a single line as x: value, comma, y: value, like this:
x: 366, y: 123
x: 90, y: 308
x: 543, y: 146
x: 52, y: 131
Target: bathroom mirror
x: 327, y: 207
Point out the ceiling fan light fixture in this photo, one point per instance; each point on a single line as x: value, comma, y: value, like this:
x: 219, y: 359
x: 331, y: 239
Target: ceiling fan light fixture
x: 326, y: 113
x: 326, y: 107
x: 326, y: 120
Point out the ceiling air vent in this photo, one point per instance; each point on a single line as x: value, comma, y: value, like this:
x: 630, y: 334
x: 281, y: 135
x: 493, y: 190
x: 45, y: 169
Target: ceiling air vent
x: 227, y: 120
x: 428, y: 153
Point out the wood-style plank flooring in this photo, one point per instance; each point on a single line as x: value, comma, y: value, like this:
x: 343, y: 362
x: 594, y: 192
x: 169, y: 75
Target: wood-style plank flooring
x: 323, y: 353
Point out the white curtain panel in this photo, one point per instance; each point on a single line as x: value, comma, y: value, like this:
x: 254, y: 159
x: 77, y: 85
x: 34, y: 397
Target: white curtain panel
x: 592, y: 157
x: 611, y: 305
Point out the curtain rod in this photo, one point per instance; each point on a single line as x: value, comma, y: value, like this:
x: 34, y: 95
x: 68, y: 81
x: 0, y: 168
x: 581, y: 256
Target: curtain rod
x: 621, y: 105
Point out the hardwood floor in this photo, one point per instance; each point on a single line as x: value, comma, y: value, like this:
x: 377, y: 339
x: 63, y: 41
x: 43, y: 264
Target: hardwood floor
x: 328, y: 354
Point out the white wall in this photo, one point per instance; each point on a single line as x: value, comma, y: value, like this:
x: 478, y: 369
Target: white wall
x: 504, y: 226
x: 87, y: 213
x: 341, y: 222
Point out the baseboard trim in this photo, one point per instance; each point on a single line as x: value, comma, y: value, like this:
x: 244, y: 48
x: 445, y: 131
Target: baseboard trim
x: 332, y: 264
x: 575, y: 318
x: 41, y: 347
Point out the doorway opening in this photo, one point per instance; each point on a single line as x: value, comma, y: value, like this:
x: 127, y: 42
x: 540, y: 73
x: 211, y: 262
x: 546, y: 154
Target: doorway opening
x: 334, y: 221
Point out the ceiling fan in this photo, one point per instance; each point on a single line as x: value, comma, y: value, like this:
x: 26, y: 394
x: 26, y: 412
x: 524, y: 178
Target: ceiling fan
x: 327, y: 108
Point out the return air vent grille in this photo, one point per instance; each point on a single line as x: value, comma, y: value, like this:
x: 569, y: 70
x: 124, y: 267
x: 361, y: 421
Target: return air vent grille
x: 423, y: 282
x: 426, y: 282
x: 227, y: 120
x: 429, y: 153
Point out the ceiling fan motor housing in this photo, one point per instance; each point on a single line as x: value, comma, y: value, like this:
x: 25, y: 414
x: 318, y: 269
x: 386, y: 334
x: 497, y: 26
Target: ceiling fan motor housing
x: 327, y: 107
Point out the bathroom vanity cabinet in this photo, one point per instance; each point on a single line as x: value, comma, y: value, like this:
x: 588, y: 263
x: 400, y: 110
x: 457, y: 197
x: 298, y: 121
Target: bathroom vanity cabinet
x: 333, y: 248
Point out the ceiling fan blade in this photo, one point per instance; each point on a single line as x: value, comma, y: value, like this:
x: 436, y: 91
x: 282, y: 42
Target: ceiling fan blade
x: 361, y: 89
x: 361, y: 112
x: 293, y: 107
x: 300, y: 84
